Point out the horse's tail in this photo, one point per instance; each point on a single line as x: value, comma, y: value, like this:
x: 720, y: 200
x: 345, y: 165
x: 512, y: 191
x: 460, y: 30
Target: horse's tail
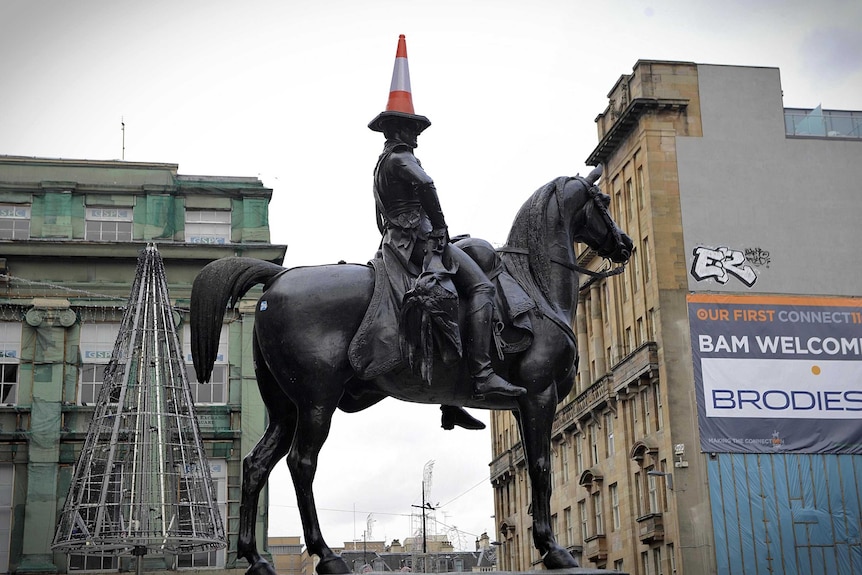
x: 220, y: 284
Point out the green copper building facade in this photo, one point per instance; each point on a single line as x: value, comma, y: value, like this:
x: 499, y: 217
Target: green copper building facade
x: 70, y: 234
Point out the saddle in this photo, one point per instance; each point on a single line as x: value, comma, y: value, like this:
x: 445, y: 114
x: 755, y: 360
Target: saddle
x: 376, y: 346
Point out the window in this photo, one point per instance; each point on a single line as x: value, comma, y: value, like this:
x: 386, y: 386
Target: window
x: 640, y: 179
x: 630, y: 340
x: 14, y: 222
x: 10, y: 352
x: 594, y: 444
x: 634, y: 416
x: 564, y: 461
x: 630, y: 198
x: 647, y: 264
x: 652, y: 484
x: 569, y: 526
x: 609, y: 430
x: 94, y: 562
x: 579, y: 452
x: 618, y: 565
x: 656, y: 559
x: 555, y: 524
x: 92, y: 378
x: 636, y: 259
x: 626, y: 287
x: 659, y: 411
x: 606, y: 301
x: 214, y: 392
x: 651, y: 324
x: 585, y: 523
x: 671, y: 559
x: 615, y: 506
x: 597, y: 512
x: 553, y: 470
x: 96, y: 346
x: 645, y: 562
x: 646, y: 405
x: 216, y: 558
x: 642, y: 336
x: 93, y: 500
x: 108, y: 225
x: 207, y: 227
x: 639, y: 495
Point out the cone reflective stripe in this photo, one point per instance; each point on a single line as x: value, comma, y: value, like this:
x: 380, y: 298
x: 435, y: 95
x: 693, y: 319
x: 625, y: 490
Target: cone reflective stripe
x: 400, y: 103
x: 400, y: 95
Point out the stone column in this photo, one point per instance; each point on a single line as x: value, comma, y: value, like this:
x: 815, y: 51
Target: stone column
x: 584, y: 375
x: 598, y: 349
x: 253, y: 416
x: 45, y: 333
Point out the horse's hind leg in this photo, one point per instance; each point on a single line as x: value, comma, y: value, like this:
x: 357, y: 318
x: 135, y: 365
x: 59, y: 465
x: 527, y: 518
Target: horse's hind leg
x: 256, y: 467
x: 312, y: 430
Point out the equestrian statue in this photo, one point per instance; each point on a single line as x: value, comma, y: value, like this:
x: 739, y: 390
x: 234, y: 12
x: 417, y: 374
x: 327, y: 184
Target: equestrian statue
x: 430, y: 319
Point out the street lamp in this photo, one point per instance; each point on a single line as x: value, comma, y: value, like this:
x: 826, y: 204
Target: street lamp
x: 668, y: 477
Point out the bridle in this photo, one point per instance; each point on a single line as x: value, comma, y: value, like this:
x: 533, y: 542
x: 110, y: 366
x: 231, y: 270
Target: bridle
x: 594, y: 196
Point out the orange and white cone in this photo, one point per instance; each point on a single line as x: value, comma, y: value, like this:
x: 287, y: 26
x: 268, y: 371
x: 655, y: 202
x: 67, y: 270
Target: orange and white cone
x: 400, y: 95
x: 400, y: 103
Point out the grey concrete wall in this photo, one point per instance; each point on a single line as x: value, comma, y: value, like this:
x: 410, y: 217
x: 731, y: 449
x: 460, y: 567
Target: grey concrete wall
x: 747, y: 187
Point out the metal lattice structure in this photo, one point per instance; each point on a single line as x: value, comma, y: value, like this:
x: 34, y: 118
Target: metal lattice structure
x: 142, y: 482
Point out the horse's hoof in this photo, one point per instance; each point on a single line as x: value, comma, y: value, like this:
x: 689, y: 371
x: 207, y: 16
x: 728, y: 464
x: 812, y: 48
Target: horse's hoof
x: 334, y: 565
x: 261, y: 567
x: 559, y: 558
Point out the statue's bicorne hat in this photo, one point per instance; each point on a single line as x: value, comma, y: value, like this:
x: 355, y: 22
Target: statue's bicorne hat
x: 400, y: 104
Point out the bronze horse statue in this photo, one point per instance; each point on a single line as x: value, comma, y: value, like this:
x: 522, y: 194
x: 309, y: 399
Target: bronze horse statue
x: 306, y: 318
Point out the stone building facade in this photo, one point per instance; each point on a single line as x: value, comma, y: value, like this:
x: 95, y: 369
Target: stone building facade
x: 694, y: 157
x: 70, y: 234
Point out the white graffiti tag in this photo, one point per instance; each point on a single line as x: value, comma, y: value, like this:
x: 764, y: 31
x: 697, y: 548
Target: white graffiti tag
x: 720, y: 263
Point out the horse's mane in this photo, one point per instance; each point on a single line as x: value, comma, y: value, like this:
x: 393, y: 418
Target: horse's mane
x: 530, y: 232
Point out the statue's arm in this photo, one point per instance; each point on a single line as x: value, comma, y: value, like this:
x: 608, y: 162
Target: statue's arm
x: 411, y: 171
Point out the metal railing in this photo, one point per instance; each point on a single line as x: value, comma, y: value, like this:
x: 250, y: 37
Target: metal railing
x: 820, y: 123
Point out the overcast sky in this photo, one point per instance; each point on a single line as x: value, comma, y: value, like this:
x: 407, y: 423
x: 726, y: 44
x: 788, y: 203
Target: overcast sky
x: 283, y: 90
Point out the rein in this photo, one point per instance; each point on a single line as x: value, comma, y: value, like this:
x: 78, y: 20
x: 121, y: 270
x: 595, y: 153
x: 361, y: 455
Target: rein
x: 594, y: 275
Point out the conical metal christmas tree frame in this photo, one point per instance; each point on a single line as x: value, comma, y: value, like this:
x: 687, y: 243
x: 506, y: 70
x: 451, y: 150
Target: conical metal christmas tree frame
x: 142, y: 482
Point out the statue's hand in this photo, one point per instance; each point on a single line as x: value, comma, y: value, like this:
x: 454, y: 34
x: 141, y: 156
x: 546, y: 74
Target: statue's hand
x: 441, y: 235
x: 437, y: 240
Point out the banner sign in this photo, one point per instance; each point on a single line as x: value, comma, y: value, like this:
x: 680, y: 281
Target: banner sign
x: 777, y: 374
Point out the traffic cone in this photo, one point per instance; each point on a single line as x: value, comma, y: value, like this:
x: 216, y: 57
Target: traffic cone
x: 400, y: 103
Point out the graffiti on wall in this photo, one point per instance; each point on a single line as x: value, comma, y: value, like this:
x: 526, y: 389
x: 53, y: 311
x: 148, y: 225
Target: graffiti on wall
x: 757, y: 257
x: 722, y: 263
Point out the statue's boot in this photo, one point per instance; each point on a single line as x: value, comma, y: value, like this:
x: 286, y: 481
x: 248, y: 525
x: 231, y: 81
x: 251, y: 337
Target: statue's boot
x: 453, y: 416
x: 485, y: 381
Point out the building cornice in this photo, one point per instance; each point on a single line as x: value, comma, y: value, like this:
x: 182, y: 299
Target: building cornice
x: 129, y: 250
x: 626, y: 122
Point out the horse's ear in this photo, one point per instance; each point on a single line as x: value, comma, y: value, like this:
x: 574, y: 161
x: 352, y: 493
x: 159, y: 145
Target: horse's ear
x: 594, y: 175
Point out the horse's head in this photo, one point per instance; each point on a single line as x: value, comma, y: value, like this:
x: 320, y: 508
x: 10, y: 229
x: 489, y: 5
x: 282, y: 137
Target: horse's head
x: 592, y: 222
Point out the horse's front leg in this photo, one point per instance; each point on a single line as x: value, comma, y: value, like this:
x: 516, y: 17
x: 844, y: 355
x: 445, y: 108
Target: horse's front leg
x: 311, y: 432
x: 535, y: 419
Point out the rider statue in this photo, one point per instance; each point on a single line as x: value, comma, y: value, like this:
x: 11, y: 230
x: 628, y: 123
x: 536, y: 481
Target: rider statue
x: 415, y: 235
